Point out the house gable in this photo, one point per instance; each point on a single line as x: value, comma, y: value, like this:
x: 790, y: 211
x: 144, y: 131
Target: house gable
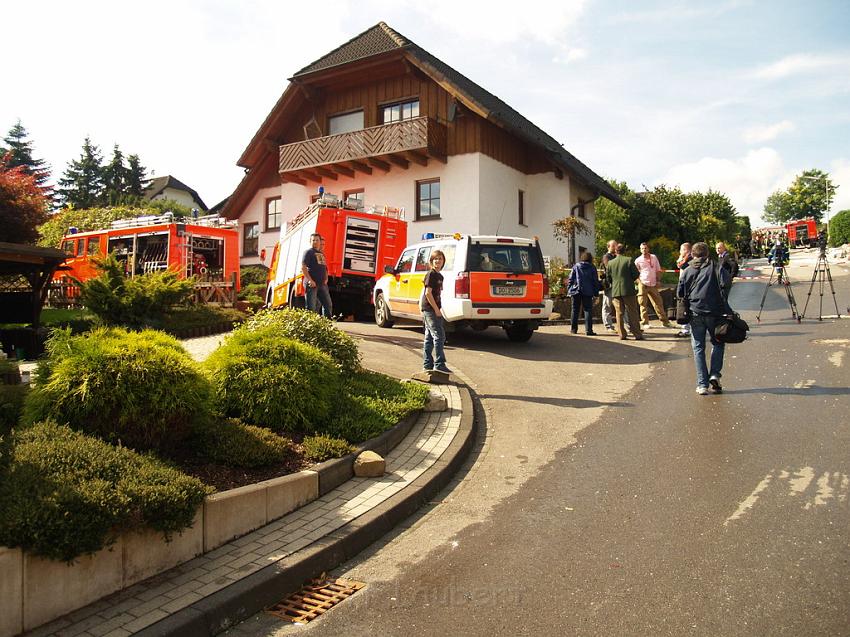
x: 473, y: 119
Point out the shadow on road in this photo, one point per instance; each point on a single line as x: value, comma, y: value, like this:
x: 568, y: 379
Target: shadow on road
x: 793, y: 391
x: 576, y: 403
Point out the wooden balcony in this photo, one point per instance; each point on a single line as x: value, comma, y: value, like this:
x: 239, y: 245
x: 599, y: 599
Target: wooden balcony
x: 378, y: 148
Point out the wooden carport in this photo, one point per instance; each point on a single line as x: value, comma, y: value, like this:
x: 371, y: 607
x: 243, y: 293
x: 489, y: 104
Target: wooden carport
x: 25, y: 274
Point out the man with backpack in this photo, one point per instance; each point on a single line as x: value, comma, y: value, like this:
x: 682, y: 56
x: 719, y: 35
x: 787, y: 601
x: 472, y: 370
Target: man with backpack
x: 702, y: 284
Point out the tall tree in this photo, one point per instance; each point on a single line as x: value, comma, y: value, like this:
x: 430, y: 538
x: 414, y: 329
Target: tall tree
x: 23, y: 204
x: 115, y: 177
x: 20, y: 150
x: 82, y: 184
x: 137, y: 179
x: 808, y: 195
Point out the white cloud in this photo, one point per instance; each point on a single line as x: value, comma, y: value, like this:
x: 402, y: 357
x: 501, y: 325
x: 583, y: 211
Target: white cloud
x: 570, y: 55
x: 761, y: 134
x: 747, y: 181
x: 539, y: 20
x: 803, y: 63
x: 839, y: 173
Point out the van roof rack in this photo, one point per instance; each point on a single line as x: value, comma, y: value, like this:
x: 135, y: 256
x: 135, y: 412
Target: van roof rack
x: 212, y: 221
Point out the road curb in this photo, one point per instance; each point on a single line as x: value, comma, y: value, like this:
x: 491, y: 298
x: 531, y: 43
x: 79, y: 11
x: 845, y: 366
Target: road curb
x: 242, y: 599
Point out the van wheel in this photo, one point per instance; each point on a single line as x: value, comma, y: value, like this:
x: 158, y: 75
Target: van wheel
x: 518, y: 334
x: 383, y: 317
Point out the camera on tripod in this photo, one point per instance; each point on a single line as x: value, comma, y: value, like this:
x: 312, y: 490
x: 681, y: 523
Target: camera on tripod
x: 822, y: 243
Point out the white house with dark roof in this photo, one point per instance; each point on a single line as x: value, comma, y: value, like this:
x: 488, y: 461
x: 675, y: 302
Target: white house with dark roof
x: 169, y: 187
x: 381, y: 119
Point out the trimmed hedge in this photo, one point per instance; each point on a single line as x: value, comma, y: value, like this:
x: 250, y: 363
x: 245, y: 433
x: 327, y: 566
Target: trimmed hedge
x: 235, y: 444
x: 139, y: 389
x: 320, y: 448
x: 310, y: 328
x: 68, y: 494
x: 371, y: 403
x: 11, y: 404
x: 264, y: 378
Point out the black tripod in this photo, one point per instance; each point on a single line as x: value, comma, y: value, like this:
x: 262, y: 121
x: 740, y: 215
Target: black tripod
x: 821, y: 275
x: 783, y: 280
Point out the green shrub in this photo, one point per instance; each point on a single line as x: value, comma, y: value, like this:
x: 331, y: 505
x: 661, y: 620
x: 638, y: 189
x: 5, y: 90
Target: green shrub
x: 79, y: 320
x: 320, y: 448
x: 254, y: 275
x: 11, y: 404
x: 67, y: 494
x: 138, y: 388
x: 371, y: 403
x: 235, y: 444
x: 309, y: 327
x: 266, y: 379
x: 179, y: 319
x: 253, y: 291
x: 839, y: 229
x: 117, y: 300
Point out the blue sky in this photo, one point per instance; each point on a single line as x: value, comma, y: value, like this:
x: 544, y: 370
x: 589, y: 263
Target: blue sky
x: 733, y: 95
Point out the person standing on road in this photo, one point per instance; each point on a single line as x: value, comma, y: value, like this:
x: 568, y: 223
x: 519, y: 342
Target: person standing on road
x: 607, y: 304
x: 434, y: 356
x: 315, y: 270
x: 622, y: 274
x: 728, y: 262
x: 682, y: 263
x: 701, y: 284
x: 649, y: 284
x: 583, y: 287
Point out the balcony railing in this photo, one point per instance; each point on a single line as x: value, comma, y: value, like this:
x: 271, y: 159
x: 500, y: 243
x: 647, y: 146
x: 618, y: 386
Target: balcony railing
x: 398, y: 143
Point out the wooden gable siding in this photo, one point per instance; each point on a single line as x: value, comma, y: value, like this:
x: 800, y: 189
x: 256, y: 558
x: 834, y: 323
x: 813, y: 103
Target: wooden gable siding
x: 468, y: 133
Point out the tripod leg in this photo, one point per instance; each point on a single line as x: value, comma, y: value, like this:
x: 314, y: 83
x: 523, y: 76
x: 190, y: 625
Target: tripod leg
x: 808, y: 296
x: 831, y: 286
x: 764, y: 296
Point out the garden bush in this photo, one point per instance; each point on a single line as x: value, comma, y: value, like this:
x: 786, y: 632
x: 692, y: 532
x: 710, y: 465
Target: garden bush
x: 312, y: 329
x: 264, y: 378
x: 138, y: 388
x: 235, y: 444
x: 839, y: 229
x: 117, y: 300
x: 371, y: 403
x: 320, y: 448
x: 11, y: 404
x: 68, y: 494
x: 253, y: 275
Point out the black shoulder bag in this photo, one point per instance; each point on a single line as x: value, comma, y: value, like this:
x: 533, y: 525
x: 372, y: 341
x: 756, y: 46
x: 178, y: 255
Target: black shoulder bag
x: 730, y: 327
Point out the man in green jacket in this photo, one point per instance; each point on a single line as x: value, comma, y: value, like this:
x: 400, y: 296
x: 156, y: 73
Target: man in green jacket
x: 622, y: 274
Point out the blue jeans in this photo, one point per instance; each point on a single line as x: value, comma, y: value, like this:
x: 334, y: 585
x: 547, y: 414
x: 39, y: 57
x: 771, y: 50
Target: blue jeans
x: 317, y: 295
x: 586, y: 304
x: 435, y: 338
x: 700, y: 325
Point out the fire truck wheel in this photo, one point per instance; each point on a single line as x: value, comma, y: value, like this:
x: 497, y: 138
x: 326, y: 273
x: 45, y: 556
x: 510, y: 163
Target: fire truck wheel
x: 518, y: 334
x: 383, y: 317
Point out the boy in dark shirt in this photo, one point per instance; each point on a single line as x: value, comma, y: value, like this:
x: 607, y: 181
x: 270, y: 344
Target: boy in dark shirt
x: 432, y: 316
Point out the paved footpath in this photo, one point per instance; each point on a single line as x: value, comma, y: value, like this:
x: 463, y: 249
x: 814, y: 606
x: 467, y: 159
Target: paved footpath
x: 179, y: 601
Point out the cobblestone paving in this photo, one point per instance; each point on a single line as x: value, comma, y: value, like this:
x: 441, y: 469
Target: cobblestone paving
x: 141, y: 605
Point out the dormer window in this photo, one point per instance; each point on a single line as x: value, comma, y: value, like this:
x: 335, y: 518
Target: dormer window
x: 400, y: 111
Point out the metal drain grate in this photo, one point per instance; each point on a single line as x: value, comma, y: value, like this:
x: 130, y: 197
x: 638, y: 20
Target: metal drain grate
x: 314, y: 599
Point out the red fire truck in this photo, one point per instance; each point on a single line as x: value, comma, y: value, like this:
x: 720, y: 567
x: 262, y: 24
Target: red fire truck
x: 359, y: 244
x: 802, y: 232
x: 205, y: 247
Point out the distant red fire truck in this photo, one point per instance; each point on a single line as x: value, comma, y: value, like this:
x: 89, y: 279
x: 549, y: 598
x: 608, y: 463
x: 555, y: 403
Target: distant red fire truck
x: 204, y: 247
x: 802, y: 232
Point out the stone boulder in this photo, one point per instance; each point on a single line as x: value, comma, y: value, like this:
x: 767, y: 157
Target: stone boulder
x: 369, y: 465
x: 436, y: 402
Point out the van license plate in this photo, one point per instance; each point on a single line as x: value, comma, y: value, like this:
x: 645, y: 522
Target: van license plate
x: 506, y: 290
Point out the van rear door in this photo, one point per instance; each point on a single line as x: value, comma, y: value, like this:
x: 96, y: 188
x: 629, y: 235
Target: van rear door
x: 506, y: 272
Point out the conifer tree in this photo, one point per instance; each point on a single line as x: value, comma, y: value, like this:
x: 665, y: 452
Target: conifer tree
x: 82, y: 184
x: 137, y: 180
x: 115, y: 177
x: 20, y: 151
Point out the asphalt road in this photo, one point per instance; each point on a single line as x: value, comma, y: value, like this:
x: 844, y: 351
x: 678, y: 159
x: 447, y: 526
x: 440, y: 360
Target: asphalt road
x: 606, y: 497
